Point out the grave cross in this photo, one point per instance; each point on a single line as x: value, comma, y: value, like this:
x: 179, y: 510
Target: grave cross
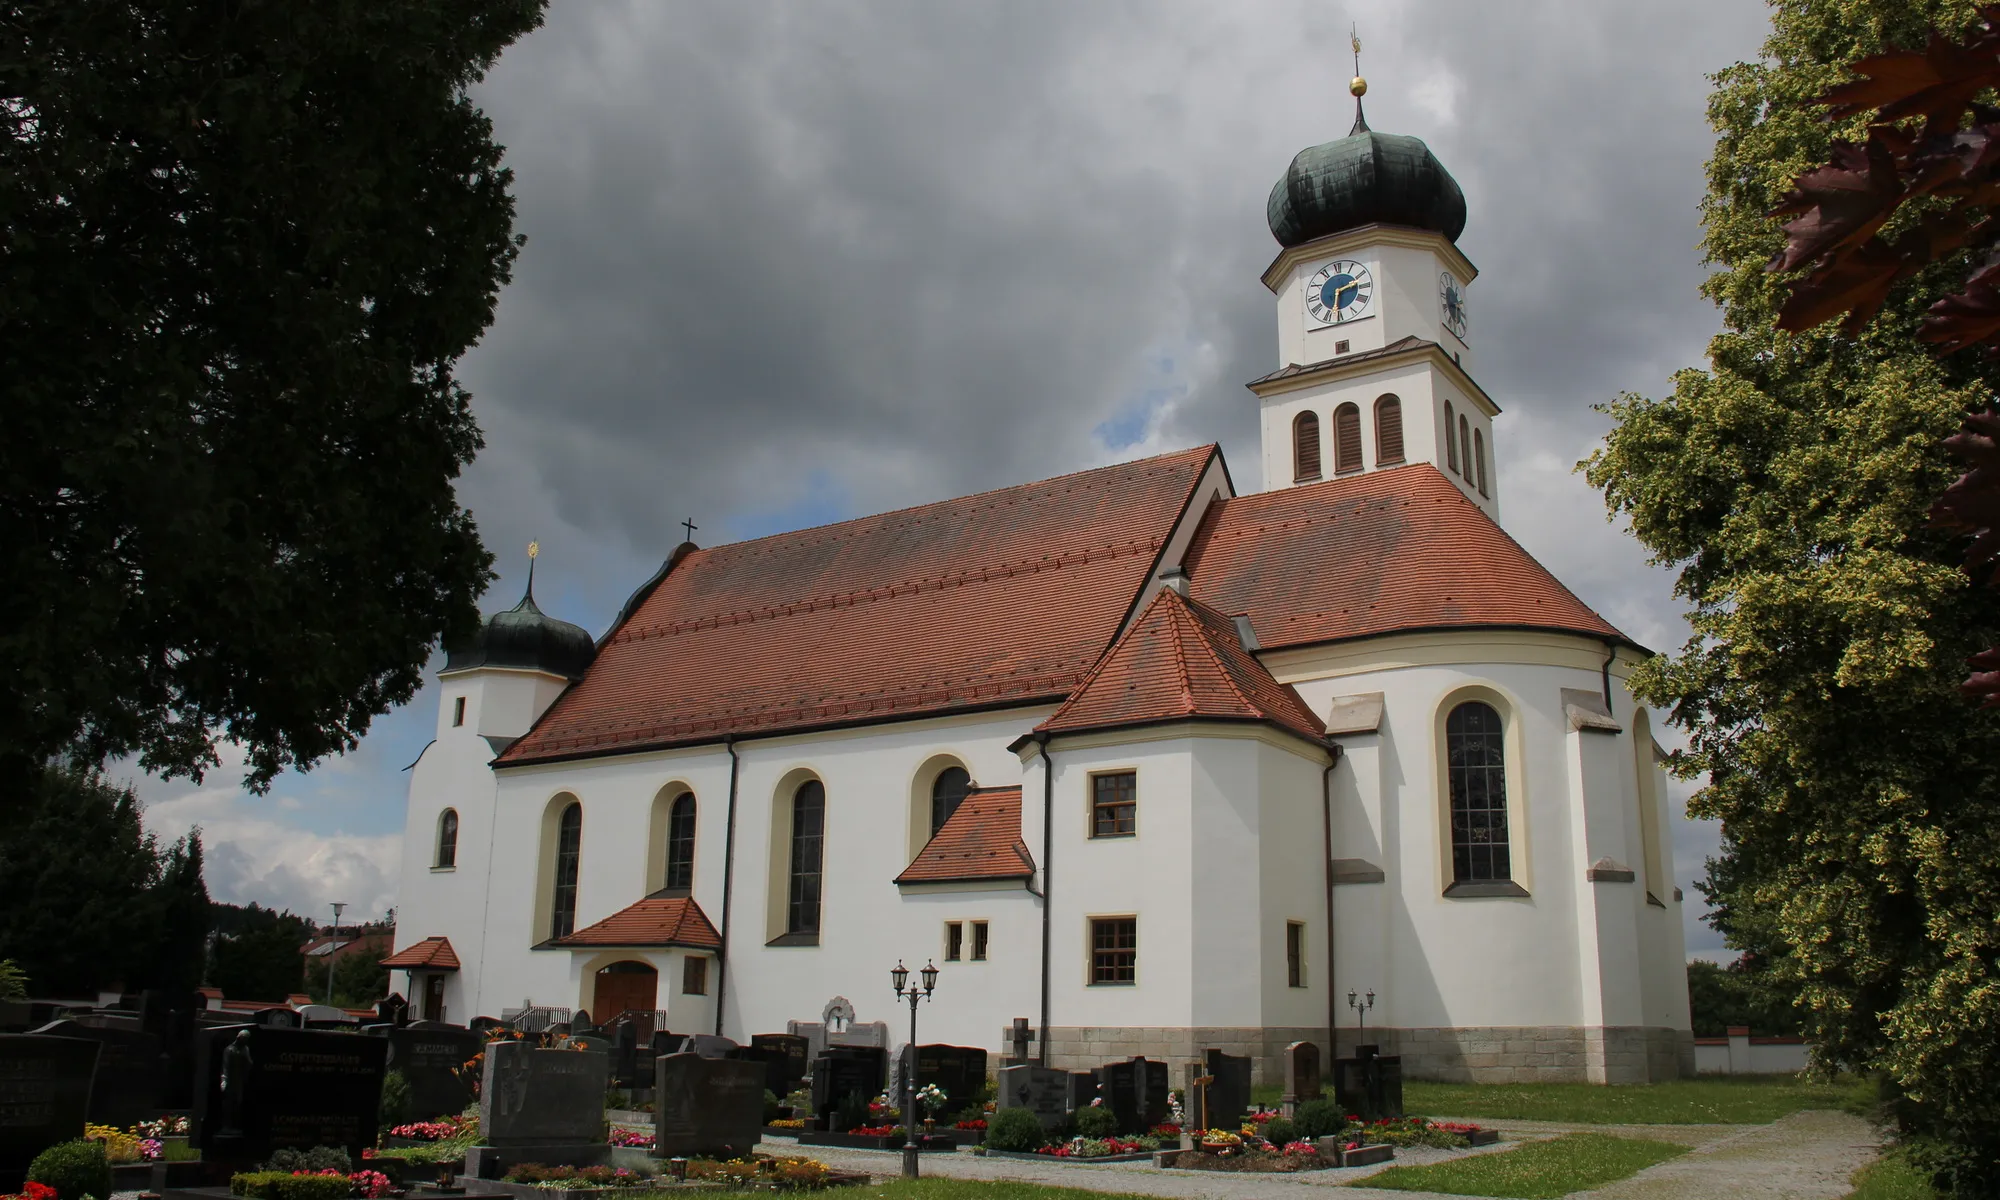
x: 1020, y: 1039
x: 1198, y: 1100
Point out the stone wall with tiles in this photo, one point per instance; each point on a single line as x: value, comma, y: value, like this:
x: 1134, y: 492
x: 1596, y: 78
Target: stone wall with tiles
x: 1534, y: 1054
x: 1082, y: 1048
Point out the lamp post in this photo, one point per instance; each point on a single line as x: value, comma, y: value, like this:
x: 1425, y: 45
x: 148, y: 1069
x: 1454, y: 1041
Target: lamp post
x: 1360, y: 1007
x: 901, y: 977
x: 337, y: 906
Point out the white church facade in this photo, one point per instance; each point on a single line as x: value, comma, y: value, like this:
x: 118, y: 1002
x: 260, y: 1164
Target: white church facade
x: 1153, y: 763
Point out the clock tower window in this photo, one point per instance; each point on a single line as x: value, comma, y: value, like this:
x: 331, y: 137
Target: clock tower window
x: 1450, y: 442
x: 1464, y: 446
x: 1305, y: 447
x: 1346, y: 439
x: 1388, y: 431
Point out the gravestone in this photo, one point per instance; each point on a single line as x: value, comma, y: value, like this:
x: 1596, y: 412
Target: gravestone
x: 532, y: 1097
x: 1370, y: 1084
x: 1084, y: 1087
x: 1302, y: 1076
x: 484, y: 1025
x: 959, y: 1071
x: 325, y: 1013
x: 45, y: 1091
x: 837, y: 1015
x: 261, y: 1090
x: 131, y: 1071
x: 171, y: 1017
x: 872, y: 1033
x: 1229, y: 1095
x: 1155, y: 1097
x: 1196, y: 1112
x: 814, y: 1034
x: 669, y: 1043
x: 1121, y: 1086
x: 278, y: 1018
x: 709, y: 1045
x: 433, y: 1062
x: 625, y: 1057
x: 786, y: 1061
x: 1018, y: 1036
x: 706, y: 1106
x: 393, y: 1009
x: 580, y: 1022
x: 841, y: 1073
x: 1043, y: 1091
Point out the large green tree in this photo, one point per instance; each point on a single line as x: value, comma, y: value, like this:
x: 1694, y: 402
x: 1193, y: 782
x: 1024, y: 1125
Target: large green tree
x: 243, y: 244
x: 257, y: 953
x: 1789, y: 483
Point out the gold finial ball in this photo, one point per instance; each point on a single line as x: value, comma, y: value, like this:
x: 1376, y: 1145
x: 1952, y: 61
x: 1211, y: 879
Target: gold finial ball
x: 534, y: 549
x: 1358, y: 86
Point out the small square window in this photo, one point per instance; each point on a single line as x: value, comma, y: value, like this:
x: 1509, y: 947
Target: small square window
x: 1114, y: 950
x: 694, y: 975
x: 1114, y: 803
x: 1340, y: 347
x: 458, y: 711
x: 979, y: 941
x: 954, y: 941
x: 1295, y: 954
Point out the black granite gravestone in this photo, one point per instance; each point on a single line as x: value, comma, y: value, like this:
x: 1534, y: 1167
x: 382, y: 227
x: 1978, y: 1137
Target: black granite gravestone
x: 1084, y: 1086
x: 842, y: 1072
x: 45, y: 1087
x: 710, y: 1045
x: 669, y: 1043
x: 532, y: 1097
x: 484, y: 1025
x: 1229, y: 1094
x: 171, y: 1017
x: 1120, y: 1086
x: 131, y: 1071
x: 264, y: 1089
x: 1043, y: 1091
x: 1369, y: 1085
x: 958, y: 1071
x: 706, y: 1106
x: 435, y: 1063
x: 784, y: 1059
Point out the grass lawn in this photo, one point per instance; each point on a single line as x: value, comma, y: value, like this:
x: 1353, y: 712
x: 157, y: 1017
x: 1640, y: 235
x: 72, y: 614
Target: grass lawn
x: 1891, y: 1177
x: 1720, y: 1099
x: 1537, y: 1170
x: 972, y: 1189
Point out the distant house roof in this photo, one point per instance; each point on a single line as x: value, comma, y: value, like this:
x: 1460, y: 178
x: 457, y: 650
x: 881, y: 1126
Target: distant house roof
x: 1002, y: 598
x: 432, y: 954
x: 654, y: 921
x: 980, y: 840
x: 1181, y: 661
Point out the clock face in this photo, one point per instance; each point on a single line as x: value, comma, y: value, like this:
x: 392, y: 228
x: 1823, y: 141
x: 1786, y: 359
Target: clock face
x: 1339, y: 292
x: 1451, y: 304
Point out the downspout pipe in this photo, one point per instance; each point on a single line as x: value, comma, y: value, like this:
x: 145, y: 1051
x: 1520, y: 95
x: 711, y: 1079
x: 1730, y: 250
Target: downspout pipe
x: 1610, y: 656
x: 1333, y: 754
x: 728, y: 882
x: 1048, y: 849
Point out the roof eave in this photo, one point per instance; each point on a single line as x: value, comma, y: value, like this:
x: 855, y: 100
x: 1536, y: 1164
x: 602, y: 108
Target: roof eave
x: 1361, y: 235
x: 1335, y: 369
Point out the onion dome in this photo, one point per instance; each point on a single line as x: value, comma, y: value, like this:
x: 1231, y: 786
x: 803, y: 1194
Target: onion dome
x: 526, y: 638
x: 1364, y: 178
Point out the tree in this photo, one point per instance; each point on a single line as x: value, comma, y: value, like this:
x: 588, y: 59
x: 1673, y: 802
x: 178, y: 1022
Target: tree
x: 1738, y: 994
x: 176, y: 959
x: 1790, y: 483
x: 359, y: 979
x: 257, y: 953
x: 244, y: 245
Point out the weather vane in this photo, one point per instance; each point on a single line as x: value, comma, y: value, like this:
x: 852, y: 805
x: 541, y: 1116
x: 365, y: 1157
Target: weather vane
x: 534, y: 550
x: 1357, y: 86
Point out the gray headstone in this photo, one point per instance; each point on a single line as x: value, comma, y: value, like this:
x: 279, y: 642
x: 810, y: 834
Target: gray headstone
x: 278, y: 1018
x: 786, y: 1058
x: 436, y: 1064
x: 813, y: 1032
x: 1044, y: 1091
x: 709, y: 1045
x: 131, y: 1071
x: 531, y: 1096
x: 44, y: 1097
x: 871, y: 1033
x: 1229, y: 1095
x: 1303, y: 1081
x: 325, y: 1012
x: 706, y: 1106
x: 261, y: 1090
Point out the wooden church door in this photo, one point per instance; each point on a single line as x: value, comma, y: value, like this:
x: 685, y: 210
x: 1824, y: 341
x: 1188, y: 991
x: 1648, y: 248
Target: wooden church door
x: 625, y: 987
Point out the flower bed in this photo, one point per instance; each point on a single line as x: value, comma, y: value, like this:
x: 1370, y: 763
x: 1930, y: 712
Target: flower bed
x: 875, y: 1137
x: 326, y: 1184
x: 630, y: 1137
x: 1098, y: 1148
x: 1222, y: 1151
x: 1416, y: 1131
x: 570, y: 1178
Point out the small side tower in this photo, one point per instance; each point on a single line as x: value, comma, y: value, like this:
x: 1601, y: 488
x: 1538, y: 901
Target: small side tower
x: 508, y: 674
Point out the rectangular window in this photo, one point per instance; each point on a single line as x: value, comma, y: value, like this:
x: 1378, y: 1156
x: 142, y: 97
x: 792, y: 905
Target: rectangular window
x: 1114, y: 804
x: 1295, y: 954
x: 458, y: 711
x: 1114, y: 950
x: 979, y: 941
x: 954, y: 941
x: 694, y: 975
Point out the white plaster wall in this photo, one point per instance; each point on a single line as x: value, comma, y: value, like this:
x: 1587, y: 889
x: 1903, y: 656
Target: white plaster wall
x: 1413, y: 383
x: 1291, y: 881
x: 1405, y: 305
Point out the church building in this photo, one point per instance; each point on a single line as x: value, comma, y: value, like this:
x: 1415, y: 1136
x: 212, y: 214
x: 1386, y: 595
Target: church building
x: 1149, y: 758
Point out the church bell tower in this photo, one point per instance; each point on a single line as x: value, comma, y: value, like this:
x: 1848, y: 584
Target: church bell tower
x: 1374, y: 339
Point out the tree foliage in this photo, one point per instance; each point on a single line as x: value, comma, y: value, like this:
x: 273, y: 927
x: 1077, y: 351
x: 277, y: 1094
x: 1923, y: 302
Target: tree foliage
x: 256, y: 955
x: 1790, y: 484
x: 242, y: 245
x: 1739, y: 994
x: 359, y: 979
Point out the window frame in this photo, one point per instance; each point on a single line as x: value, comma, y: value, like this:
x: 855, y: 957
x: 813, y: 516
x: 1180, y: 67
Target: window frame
x: 982, y: 941
x: 1295, y: 954
x: 937, y: 783
x: 1465, y: 446
x: 457, y: 711
x: 444, y: 853
x: 694, y: 969
x: 1306, y: 437
x: 954, y: 941
x: 795, y: 876
x: 1091, y: 950
x: 1096, y: 805
x: 1388, y: 414
x: 1479, y: 458
x: 1346, y: 420
x: 1451, y: 438
x: 1518, y: 817
x: 568, y: 860
x: 680, y: 851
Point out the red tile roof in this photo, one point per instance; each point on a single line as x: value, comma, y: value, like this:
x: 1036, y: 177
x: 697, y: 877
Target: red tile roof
x: 1002, y: 598
x: 1382, y: 552
x: 1180, y: 661
x: 433, y: 953
x: 981, y: 840
x: 654, y: 921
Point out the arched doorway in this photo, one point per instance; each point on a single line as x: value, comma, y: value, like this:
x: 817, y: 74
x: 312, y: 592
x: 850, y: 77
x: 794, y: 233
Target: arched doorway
x: 624, y: 987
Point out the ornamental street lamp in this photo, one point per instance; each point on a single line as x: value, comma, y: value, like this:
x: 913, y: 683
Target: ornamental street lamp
x: 1360, y: 1007
x: 900, y: 977
x: 337, y: 906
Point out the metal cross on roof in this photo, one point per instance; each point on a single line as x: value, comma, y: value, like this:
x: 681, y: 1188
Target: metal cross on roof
x: 690, y: 526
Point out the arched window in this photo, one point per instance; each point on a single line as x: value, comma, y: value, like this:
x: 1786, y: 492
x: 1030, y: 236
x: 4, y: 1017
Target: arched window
x: 1476, y: 763
x: 569, y: 851
x: 1346, y: 439
x: 808, y: 839
x: 1479, y: 458
x: 680, y: 843
x: 947, y: 793
x: 1305, y: 446
x: 1464, y: 445
x: 1450, y: 442
x: 447, y: 847
x: 1388, y: 431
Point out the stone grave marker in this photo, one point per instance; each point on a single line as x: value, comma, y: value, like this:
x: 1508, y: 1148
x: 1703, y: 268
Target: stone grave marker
x: 1155, y: 1101
x: 1303, y: 1081
x: 262, y: 1089
x: 1084, y: 1086
x: 1196, y: 1112
x: 871, y: 1033
x: 278, y: 1018
x: 433, y: 1063
x: 785, y: 1058
x: 484, y: 1025
x: 131, y: 1071
x: 669, y: 1043
x: 1043, y: 1091
x: 625, y: 1058
x: 45, y: 1090
x: 171, y: 1017
x: 393, y: 1010
x: 1018, y: 1036
x: 843, y: 1072
x: 531, y: 1096
x: 706, y: 1106
x: 1229, y: 1095
x: 959, y: 1071
x: 1121, y: 1086
x: 1370, y: 1085
x: 709, y: 1045
x: 813, y: 1032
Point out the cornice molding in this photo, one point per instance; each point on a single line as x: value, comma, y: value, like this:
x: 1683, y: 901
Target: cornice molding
x: 1368, y: 235
x: 1335, y: 370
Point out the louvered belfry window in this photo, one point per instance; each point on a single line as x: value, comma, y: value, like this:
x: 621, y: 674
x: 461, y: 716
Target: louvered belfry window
x: 1346, y: 439
x: 1388, y: 431
x: 1305, y: 446
x: 1450, y: 442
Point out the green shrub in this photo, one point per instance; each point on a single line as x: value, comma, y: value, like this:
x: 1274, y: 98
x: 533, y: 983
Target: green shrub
x: 1279, y: 1130
x: 771, y: 1105
x: 257, y: 1185
x: 74, y: 1169
x: 315, y: 1187
x: 1096, y: 1121
x: 395, y: 1104
x: 319, y: 1158
x: 1015, y: 1129
x: 1318, y: 1118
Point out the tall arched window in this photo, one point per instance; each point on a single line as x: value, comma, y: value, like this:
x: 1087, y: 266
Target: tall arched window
x: 947, y: 793
x: 1450, y: 442
x: 1465, y: 445
x: 1388, y: 430
x: 569, y: 851
x: 1346, y: 439
x: 680, y: 843
x: 1305, y: 446
x: 1476, y: 763
x: 447, y: 847
x: 1479, y: 458
x: 808, y: 841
